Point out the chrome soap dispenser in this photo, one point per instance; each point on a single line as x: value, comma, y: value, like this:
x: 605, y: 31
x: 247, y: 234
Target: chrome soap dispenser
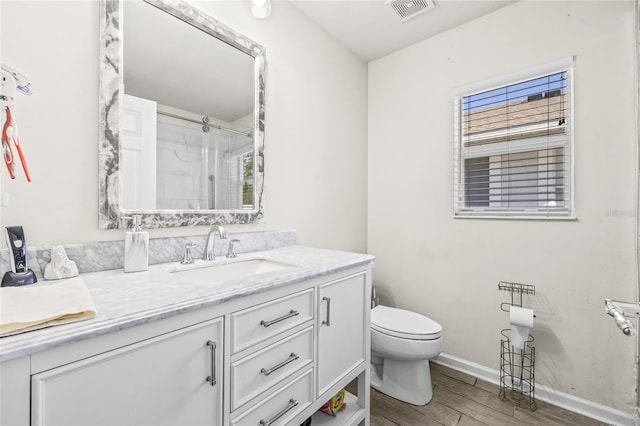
x: 136, y: 247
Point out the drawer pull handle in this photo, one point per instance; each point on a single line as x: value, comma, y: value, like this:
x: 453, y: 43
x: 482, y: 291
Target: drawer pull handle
x: 212, y: 378
x: 292, y: 357
x: 291, y: 313
x: 328, y: 321
x: 292, y: 404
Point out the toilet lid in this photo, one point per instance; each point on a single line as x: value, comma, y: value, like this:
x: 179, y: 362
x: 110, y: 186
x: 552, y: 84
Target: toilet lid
x: 404, y: 324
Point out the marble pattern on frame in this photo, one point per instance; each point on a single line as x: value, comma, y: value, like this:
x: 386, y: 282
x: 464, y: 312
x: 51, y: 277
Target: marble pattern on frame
x: 109, y: 211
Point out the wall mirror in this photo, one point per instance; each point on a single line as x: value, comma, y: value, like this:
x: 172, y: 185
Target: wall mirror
x: 181, y: 117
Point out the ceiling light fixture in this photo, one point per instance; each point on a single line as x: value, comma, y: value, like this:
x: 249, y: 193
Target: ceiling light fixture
x: 261, y: 9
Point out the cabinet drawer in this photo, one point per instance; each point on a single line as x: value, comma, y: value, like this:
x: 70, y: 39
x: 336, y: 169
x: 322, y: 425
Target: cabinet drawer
x: 254, y: 374
x: 280, y: 407
x: 253, y: 325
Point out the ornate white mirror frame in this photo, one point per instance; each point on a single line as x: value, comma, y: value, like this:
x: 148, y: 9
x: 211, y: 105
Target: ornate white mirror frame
x: 111, y: 90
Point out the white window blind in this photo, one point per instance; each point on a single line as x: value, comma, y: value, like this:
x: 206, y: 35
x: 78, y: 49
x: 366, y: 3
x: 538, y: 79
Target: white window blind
x: 513, y: 148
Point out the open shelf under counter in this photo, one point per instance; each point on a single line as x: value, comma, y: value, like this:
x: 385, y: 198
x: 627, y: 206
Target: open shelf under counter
x: 353, y: 414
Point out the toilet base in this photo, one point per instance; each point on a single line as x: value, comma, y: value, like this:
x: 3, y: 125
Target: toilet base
x: 408, y: 381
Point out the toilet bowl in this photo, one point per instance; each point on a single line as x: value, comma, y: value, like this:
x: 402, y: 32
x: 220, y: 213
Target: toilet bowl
x: 402, y: 342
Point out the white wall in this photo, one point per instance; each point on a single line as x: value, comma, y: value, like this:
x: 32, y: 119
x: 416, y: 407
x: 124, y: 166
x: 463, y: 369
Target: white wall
x: 449, y: 269
x: 315, y: 143
x: 316, y: 168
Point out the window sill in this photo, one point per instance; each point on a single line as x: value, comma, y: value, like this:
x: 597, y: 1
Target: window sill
x: 519, y: 217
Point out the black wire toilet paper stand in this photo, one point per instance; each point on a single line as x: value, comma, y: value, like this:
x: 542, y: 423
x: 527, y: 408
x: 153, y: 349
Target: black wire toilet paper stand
x: 517, y: 365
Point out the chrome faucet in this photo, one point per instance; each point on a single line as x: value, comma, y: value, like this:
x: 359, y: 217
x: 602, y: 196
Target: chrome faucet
x: 209, y: 247
x: 231, y: 253
x: 187, y: 258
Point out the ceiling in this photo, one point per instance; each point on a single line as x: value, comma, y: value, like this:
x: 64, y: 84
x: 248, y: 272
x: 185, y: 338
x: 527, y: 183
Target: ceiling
x: 372, y: 29
x: 369, y: 28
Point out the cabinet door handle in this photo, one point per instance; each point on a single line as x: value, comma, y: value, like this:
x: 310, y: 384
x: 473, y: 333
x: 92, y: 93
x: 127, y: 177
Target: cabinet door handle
x: 328, y: 321
x: 212, y: 378
x: 292, y: 357
x: 291, y: 313
x: 292, y: 403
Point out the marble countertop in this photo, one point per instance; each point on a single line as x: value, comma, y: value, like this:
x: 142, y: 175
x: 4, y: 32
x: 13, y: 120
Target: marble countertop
x: 126, y: 300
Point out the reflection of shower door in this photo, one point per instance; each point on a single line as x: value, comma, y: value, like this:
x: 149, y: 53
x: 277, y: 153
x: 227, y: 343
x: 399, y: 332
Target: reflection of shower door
x: 212, y: 192
x: 182, y: 167
x: 138, y: 153
x: 199, y: 170
x: 230, y: 170
x: 228, y: 194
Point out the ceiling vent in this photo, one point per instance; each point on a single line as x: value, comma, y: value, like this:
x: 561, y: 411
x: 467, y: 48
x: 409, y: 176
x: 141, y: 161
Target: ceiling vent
x: 408, y: 9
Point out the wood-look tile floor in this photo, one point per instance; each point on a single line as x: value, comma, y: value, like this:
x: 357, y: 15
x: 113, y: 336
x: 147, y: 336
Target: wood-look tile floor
x: 460, y: 399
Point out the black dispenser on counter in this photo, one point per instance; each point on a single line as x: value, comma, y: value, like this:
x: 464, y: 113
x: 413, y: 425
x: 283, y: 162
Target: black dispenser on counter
x: 19, y: 274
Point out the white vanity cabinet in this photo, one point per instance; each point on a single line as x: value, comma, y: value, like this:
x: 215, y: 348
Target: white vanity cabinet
x: 172, y: 379
x: 272, y: 355
x: 342, y: 328
x: 315, y: 343
x: 272, y: 360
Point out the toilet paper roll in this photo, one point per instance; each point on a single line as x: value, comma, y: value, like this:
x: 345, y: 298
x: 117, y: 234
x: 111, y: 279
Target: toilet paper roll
x: 521, y: 320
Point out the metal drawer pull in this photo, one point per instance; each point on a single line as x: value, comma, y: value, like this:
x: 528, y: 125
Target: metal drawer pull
x: 328, y: 321
x: 292, y: 403
x: 212, y: 378
x: 291, y: 313
x: 292, y: 357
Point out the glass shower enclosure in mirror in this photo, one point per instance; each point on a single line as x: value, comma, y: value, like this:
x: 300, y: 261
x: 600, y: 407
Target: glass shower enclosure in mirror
x: 182, y: 117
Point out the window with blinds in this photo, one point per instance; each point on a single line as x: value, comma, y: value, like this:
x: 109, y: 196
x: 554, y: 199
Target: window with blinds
x: 513, y: 148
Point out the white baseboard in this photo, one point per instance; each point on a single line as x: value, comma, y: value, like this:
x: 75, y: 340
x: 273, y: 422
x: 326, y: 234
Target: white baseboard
x: 582, y: 406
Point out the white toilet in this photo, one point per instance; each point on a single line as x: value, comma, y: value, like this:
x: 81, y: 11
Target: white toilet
x: 402, y: 342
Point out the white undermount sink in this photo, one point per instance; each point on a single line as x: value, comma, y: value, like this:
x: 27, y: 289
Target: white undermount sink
x: 224, y: 269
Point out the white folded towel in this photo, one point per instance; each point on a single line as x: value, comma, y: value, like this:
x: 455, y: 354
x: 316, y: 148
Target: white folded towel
x: 32, y: 307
